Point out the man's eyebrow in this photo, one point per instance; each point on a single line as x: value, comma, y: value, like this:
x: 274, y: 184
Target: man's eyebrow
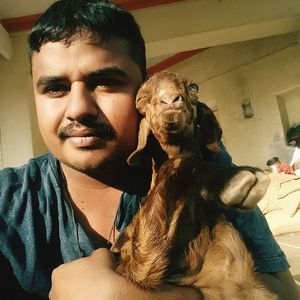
x: 48, y: 80
x: 109, y: 71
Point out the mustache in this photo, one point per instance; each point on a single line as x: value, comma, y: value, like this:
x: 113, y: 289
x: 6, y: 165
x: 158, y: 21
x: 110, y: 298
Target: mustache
x: 101, y: 130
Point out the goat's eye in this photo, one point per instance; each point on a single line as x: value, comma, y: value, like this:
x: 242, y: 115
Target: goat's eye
x: 194, y: 87
x: 141, y: 98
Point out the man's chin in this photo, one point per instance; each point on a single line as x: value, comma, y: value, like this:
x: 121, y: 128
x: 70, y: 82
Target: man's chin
x: 90, y: 167
x: 94, y: 163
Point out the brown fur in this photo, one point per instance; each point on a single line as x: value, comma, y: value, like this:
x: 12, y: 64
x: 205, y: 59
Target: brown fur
x: 179, y: 235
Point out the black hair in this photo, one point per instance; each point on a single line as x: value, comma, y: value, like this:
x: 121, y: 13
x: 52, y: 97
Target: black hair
x: 293, y: 134
x: 67, y: 20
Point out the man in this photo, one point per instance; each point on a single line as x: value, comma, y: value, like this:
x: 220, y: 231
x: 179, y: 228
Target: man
x: 293, y: 138
x: 87, y: 62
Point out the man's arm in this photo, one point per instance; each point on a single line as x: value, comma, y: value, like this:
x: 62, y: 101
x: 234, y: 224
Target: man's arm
x: 281, y: 284
x: 94, y: 277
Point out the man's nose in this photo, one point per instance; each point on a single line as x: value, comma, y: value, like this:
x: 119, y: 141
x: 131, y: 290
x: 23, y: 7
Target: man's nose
x: 81, y: 103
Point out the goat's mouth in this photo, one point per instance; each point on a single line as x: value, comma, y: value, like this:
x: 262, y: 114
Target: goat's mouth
x: 171, y: 125
x: 171, y: 117
x: 172, y: 120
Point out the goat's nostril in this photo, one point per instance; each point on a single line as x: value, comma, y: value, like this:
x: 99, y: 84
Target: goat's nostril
x: 176, y: 98
x: 169, y: 99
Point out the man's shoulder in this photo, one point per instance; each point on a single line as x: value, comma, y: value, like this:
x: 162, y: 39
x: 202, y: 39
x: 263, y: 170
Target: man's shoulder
x: 33, y: 185
x: 34, y: 170
x: 36, y: 162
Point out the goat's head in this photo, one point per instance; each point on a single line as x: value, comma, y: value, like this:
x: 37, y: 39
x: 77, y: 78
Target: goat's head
x: 168, y: 103
x: 171, y: 110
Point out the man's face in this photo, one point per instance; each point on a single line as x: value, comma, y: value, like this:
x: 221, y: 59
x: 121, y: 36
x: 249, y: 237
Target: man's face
x: 295, y: 142
x: 84, y: 96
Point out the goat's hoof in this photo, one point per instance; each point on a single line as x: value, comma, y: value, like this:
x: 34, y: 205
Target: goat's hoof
x: 245, y: 189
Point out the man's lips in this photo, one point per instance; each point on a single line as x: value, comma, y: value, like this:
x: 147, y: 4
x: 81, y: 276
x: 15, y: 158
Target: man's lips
x: 83, y: 137
x: 85, y: 141
x: 84, y: 133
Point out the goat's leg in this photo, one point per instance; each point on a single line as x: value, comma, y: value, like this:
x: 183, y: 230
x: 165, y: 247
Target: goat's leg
x: 246, y: 188
x: 241, y: 187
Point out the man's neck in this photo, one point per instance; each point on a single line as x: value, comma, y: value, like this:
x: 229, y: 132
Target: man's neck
x: 94, y: 201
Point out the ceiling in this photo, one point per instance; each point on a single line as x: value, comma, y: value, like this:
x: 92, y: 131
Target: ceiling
x: 171, y: 27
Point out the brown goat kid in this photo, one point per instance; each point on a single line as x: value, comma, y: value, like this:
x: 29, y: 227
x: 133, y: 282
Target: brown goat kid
x: 180, y: 235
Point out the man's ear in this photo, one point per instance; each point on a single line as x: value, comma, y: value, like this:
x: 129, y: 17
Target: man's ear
x: 135, y: 159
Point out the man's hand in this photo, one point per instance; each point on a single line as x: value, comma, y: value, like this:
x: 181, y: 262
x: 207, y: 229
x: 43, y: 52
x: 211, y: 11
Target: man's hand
x: 83, y: 278
x: 281, y: 284
x: 94, y: 277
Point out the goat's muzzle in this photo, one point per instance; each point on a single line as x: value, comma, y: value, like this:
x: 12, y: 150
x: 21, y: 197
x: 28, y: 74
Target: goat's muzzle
x: 169, y: 98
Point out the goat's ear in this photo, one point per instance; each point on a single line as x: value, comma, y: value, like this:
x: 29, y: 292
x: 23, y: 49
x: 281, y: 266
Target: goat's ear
x: 143, y: 98
x: 135, y: 159
x: 209, y: 127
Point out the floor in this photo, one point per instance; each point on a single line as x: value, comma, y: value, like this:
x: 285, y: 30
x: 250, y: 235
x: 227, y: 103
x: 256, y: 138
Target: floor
x: 290, y: 244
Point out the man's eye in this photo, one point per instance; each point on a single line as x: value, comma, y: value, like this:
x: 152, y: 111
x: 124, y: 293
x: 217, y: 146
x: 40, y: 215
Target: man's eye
x: 105, y: 83
x: 55, y: 91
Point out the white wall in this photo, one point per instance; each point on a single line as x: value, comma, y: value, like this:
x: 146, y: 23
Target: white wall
x: 1, y: 162
x: 259, y: 70
x: 16, y: 104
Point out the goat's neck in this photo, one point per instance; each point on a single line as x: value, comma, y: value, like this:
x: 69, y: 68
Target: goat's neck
x: 173, y: 150
x: 164, y: 152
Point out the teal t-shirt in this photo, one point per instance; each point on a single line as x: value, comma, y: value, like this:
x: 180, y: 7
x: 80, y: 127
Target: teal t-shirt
x: 38, y: 229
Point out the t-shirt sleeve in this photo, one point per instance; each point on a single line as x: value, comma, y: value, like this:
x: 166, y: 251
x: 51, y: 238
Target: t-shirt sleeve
x: 259, y: 240
x: 296, y: 156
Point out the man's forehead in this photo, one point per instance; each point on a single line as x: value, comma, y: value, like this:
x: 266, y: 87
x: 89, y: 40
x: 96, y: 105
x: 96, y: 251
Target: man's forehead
x: 82, y: 57
x: 111, y: 43
x: 58, y: 54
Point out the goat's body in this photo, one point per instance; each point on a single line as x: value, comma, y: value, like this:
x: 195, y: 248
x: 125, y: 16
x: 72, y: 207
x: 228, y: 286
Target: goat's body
x: 180, y: 237
x: 180, y: 234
